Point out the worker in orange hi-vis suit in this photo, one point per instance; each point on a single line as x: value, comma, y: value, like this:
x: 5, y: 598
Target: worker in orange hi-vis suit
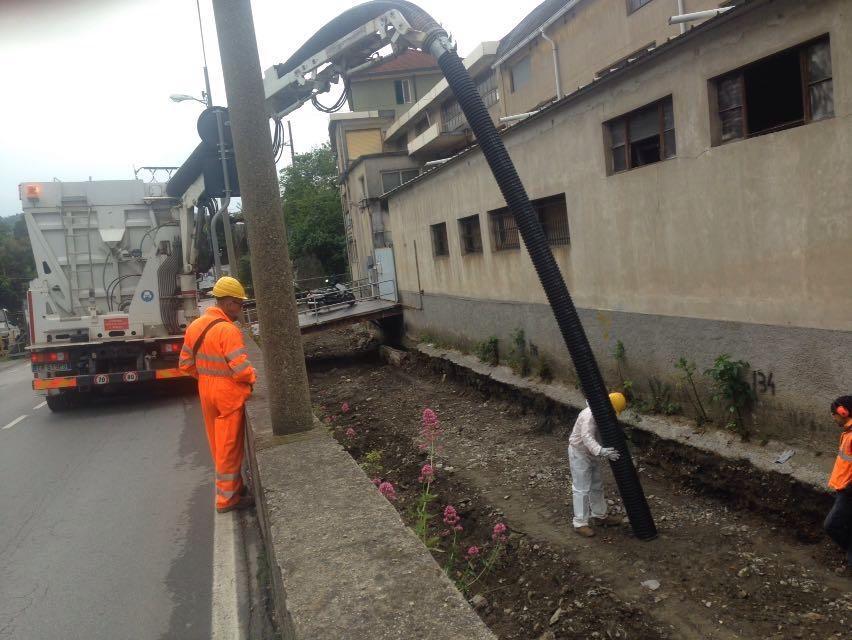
x: 214, y: 352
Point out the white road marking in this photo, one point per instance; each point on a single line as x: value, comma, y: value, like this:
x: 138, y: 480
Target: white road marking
x: 14, y: 422
x: 40, y: 405
x: 225, y: 623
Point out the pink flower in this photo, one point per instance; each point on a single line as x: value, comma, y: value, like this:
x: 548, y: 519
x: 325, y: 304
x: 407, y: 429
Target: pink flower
x: 350, y: 433
x: 499, y: 533
x: 376, y: 481
x: 427, y: 473
x: 430, y: 429
x: 328, y: 419
x: 451, y: 516
x: 344, y: 408
x: 388, y: 491
x: 472, y: 551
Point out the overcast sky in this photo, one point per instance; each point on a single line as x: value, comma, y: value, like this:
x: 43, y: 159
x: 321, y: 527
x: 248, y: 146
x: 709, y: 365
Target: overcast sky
x: 86, y: 83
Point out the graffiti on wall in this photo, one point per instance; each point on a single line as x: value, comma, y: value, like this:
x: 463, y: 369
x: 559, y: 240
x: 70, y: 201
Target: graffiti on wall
x: 761, y: 383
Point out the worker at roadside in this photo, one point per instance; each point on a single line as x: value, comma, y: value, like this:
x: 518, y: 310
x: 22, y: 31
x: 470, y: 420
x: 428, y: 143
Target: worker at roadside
x: 214, y: 352
x: 585, y: 455
x: 838, y: 524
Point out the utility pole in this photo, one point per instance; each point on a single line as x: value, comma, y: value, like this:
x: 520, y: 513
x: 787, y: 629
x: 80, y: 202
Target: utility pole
x: 281, y: 340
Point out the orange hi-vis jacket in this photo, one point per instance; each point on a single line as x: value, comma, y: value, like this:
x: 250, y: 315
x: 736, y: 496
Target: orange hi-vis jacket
x: 841, y: 476
x: 225, y: 377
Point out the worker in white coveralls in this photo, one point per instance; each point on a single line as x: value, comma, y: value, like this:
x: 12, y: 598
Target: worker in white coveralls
x: 586, y: 455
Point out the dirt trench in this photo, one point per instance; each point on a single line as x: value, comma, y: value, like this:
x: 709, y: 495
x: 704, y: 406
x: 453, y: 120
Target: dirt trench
x: 727, y: 567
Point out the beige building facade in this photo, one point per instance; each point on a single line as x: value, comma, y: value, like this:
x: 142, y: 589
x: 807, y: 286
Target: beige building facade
x: 697, y: 200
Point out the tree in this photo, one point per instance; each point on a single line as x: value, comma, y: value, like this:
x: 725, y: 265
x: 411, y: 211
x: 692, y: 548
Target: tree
x: 16, y: 262
x: 312, y: 210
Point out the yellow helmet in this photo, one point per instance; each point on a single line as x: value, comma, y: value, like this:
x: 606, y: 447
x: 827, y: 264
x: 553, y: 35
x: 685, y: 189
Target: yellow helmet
x: 228, y: 287
x: 619, y: 402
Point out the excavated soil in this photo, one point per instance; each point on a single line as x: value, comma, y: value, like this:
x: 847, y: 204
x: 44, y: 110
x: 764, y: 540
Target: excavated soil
x: 739, y: 553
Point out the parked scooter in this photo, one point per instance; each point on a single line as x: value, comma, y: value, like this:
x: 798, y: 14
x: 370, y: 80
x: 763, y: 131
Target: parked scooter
x: 329, y: 296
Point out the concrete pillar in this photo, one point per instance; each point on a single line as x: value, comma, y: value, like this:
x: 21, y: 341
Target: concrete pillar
x: 281, y: 341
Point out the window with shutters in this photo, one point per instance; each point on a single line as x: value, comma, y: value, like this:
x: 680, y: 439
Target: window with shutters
x: 519, y: 74
x: 786, y: 90
x: 403, y: 91
x: 633, y: 5
x: 641, y: 137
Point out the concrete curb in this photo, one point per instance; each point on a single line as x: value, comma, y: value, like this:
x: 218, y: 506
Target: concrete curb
x: 343, y: 565
x: 804, y: 467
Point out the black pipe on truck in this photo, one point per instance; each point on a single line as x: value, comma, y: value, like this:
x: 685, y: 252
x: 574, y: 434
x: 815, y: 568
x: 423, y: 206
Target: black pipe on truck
x: 459, y: 80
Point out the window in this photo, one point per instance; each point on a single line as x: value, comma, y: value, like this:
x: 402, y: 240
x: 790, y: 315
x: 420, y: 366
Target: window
x: 440, y: 246
x: 403, y: 91
x: 633, y: 5
x: 519, y: 74
x: 641, y: 137
x: 487, y: 87
x: 786, y: 90
x: 504, y: 231
x: 452, y: 116
x: 397, y: 177
x: 553, y: 216
x: 470, y: 235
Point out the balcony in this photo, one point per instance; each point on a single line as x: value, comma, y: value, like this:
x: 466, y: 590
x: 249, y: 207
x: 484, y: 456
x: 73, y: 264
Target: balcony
x: 435, y: 141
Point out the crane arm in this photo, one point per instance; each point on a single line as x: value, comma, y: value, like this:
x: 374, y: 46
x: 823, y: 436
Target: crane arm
x: 287, y: 87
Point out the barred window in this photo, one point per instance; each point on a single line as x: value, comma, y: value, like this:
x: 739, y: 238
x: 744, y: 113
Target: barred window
x: 504, y: 231
x: 392, y: 179
x: 440, y: 245
x: 519, y: 74
x: 452, y: 116
x: 552, y: 214
x: 470, y: 235
x: 402, y: 88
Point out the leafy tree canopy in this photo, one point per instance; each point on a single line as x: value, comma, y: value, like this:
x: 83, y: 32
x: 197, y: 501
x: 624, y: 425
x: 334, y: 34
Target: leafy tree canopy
x: 16, y: 262
x: 312, y: 209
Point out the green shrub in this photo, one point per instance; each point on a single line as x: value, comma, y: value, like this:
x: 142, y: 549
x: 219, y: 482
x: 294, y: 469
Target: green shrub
x: 488, y: 351
x: 732, y: 391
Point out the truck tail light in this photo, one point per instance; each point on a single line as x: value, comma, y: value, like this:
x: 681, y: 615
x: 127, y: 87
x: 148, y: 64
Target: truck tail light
x: 172, y: 347
x: 43, y: 357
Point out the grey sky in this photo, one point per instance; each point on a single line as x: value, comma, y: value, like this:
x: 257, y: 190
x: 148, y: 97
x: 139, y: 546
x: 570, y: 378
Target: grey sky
x: 86, y: 83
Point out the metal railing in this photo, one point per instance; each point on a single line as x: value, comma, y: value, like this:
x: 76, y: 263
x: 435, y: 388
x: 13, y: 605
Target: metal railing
x: 362, y: 290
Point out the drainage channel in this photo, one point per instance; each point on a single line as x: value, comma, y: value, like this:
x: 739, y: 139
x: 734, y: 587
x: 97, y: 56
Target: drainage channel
x: 726, y: 568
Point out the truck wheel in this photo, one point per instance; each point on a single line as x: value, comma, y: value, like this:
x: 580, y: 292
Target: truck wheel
x: 58, y: 402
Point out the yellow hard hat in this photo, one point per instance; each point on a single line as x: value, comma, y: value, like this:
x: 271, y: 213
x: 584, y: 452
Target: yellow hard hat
x: 228, y: 287
x: 619, y: 402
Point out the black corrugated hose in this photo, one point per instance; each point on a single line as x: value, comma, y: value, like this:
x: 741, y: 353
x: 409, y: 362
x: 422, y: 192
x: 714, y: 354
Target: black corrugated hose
x: 530, y: 228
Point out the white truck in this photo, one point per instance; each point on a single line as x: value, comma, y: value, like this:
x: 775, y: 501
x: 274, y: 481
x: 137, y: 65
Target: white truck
x: 9, y: 332
x: 115, y: 286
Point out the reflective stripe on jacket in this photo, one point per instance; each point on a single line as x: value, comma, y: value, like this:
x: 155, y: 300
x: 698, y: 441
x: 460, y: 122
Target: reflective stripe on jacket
x: 841, y: 476
x: 222, y: 355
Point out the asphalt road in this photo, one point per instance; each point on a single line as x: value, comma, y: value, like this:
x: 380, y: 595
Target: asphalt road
x: 106, y: 518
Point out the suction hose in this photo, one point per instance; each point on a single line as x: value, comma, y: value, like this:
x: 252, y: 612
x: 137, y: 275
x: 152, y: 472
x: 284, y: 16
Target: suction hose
x: 459, y: 80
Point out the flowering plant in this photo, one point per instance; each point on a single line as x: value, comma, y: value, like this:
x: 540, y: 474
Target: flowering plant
x: 388, y: 491
x: 350, y: 433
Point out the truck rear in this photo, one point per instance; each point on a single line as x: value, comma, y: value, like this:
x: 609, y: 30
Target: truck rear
x: 115, y: 286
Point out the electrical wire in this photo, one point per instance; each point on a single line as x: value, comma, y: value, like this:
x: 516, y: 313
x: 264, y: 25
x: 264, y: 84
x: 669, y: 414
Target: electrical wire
x: 278, y: 139
x: 337, y: 106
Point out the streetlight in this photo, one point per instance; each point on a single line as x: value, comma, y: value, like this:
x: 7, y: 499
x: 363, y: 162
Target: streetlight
x: 182, y: 97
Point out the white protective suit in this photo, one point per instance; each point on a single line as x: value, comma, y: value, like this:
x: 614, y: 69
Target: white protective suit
x: 584, y: 450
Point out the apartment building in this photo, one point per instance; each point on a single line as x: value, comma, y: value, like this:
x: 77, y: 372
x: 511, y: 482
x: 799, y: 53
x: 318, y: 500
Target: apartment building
x: 367, y: 163
x: 694, y: 188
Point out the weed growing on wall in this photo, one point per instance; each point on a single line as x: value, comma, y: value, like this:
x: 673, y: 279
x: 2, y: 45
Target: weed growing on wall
x: 519, y: 357
x: 687, y: 384
x: 619, y: 353
x: 487, y: 351
x: 544, y: 370
x: 660, y: 400
x: 732, y: 391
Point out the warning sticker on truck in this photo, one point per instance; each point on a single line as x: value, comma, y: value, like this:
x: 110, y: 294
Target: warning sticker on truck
x: 116, y: 324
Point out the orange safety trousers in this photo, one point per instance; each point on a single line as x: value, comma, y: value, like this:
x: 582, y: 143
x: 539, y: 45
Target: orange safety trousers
x: 225, y: 376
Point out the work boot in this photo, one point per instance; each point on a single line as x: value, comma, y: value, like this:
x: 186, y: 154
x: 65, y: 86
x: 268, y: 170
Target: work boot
x: 607, y: 521
x: 245, y: 502
x: 586, y: 531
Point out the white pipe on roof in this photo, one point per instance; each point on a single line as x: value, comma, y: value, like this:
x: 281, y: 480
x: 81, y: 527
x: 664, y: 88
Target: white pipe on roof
x: 518, y: 116
x: 698, y: 15
x: 680, y: 10
x: 532, y: 36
